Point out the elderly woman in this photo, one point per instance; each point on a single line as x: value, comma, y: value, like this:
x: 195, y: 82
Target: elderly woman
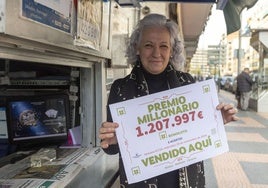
x: 156, y: 54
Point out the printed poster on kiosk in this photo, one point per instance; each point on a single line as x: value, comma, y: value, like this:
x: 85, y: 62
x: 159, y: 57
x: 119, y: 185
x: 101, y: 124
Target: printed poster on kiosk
x: 165, y: 131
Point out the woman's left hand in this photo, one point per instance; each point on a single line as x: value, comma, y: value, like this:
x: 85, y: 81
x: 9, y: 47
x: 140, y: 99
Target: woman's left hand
x: 228, y: 112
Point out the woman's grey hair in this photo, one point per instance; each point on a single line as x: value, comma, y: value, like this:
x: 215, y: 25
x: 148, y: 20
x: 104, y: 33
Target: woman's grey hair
x: 177, y: 57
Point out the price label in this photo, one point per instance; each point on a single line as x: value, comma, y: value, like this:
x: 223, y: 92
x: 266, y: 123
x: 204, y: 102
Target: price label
x: 165, y: 123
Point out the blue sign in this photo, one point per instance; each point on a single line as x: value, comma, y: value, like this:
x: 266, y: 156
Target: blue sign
x: 45, y: 15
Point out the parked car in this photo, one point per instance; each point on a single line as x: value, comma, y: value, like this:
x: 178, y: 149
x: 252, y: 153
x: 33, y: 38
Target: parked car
x: 223, y: 80
x: 228, y: 84
x: 234, y: 85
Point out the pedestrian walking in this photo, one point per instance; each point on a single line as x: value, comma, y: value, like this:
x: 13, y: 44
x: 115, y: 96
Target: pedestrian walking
x: 244, y: 86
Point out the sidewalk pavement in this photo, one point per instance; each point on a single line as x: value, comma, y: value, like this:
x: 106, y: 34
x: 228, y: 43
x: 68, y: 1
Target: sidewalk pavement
x: 246, y: 163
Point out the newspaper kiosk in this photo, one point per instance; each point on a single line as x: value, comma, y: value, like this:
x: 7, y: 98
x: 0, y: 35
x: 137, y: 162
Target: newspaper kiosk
x: 48, y: 49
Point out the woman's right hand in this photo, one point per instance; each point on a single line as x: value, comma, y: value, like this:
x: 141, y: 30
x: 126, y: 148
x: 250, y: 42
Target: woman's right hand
x: 107, y: 134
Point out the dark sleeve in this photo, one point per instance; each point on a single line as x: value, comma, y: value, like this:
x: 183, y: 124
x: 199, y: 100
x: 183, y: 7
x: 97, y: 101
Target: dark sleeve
x: 189, y: 77
x: 250, y: 81
x: 185, y: 78
x: 113, y: 98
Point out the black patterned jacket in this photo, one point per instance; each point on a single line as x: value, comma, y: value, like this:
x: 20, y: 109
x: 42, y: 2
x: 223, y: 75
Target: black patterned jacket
x: 135, y: 85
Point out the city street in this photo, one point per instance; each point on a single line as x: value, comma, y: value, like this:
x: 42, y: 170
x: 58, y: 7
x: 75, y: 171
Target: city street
x: 246, y: 163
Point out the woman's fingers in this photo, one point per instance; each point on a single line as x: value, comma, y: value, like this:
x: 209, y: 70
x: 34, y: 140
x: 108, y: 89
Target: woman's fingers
x: 104, y: 144
x: 228, y: 112
x: 107, y: 134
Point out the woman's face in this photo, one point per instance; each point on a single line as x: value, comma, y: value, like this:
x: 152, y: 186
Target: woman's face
x: 155, y: 49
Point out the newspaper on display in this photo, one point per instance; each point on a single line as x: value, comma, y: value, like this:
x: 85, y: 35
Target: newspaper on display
x: 51, y: 174
x: 169, y: 130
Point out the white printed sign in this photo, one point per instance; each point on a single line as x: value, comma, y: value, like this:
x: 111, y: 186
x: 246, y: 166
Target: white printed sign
x: 165, y: 131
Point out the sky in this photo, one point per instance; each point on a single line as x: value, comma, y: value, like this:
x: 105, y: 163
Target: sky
x: 216, y: 24
x: 214, y: 30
